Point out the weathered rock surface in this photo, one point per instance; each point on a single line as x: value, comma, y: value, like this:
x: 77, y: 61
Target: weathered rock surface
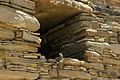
x: 10, y: 75
x: 18, y: 42
x: 70, y: 74
x: 54, y: 11
x: 18, y: 18
x: 115, y: 48
x: 92, y: 39
x: 26, y: 4
x: 101, y: 3
x: 92, y: 36
x: 99, y: 45
x: 113, y: 4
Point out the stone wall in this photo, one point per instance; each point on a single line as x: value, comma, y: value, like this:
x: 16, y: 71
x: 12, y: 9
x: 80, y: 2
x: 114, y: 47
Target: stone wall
x: 52, y: 12
x: 93, y: 38
x: 89, y: 42
x: 18, y: 40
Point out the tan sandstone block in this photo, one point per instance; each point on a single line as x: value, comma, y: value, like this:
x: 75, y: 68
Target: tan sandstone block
x: 15, y: 75
x: 111, y: 61
x: 97, y: 45
x: 18, y: 18
x: 70, y: 74
x: 24, y: 3
x: 5, y: 1
x: 115, y: 48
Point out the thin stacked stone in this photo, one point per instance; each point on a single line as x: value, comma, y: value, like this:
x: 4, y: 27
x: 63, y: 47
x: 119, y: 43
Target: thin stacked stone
x: 92, y: 38
x: 18, y: 41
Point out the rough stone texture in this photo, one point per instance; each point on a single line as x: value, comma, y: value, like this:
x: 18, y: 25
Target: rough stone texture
x: 10, y: 75
x: 113, y: 4
x: 18, y: 18
x: 70, y: 74
x: 56, y: 11
x: 18, y: 42
x: 115, y: 48
x: 23, y: 3
x: 101, y: 3
x: 90, y: 40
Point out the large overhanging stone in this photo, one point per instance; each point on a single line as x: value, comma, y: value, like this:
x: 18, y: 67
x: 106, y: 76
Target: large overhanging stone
x: 18, y: 18
x: 53, y: 12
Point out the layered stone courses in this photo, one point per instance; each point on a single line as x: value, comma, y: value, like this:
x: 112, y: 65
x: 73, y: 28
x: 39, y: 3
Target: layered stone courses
x: 18, y: 42
x: 89, y: 42
x: 92, y: 38
x: 25, y: 5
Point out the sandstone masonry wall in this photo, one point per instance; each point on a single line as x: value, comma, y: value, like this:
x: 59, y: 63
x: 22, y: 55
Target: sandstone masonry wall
x: 88, y: 41
x: 18, y: 42
x: 93, y: 38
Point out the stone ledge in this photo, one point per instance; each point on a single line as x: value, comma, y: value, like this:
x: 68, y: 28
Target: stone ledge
x: 17, y: 7
x: 22, y: 3
x: 18, y: 18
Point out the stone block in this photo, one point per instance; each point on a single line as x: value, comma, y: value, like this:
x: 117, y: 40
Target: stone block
x: 75, y: 68
x: 17, y: 47
x: 93, y: 72
x: 112, y: 73
x: 4, y: 1
x: 115, y: 26
x: 17, y: 75
x: 110, y: 66
x: 101, y: 3
x: 115, y: 48
x: 74, y: 62
x: 99, y: 33
x: 97, y: 66
x: 18, y: 7
x: 93, y: 59
x: 98, y: 45
x: 26, y: 43
x: 24, y: 3
x: 18, y: 18
x: 91, y: 54
x: 6, y: 34
x: 60, y: 79
x: 87, y: 18
x: 111, y: 61
x: 113, y: 4
x: 101, y: 78
x: 28, y: 37
x: 92, y: 24
x: 71, y: 6
x: 69, y: 74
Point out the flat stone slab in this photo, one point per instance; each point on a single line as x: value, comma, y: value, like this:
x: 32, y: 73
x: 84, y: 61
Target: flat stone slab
x: 114, y: 4
x: 15, y: 75
x: 18, y: 18
x: 4, y: 1
x: 115, y: 48
x: 18, y: 7
x: 70, y: 74
x: 23, y: 3
x: 53, y: 12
